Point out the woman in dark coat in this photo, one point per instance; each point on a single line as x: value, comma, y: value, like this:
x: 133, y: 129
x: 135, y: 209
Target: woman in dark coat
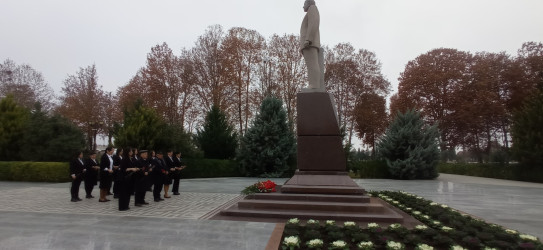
x: 77, y: 169
x: 116, y: 163
x: 91, y: 174
x: 106, y: 171
x: 124, y: 179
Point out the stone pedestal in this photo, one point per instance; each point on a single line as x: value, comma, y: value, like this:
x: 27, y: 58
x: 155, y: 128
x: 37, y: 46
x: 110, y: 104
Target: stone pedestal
x: 322, y: 164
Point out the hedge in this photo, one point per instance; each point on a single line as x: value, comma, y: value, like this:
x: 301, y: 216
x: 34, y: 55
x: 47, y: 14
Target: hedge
x: 60, y: 171
x: 374, y: 169
x: 515, y: 172
x: 35, y: 171
x: 210, y: 168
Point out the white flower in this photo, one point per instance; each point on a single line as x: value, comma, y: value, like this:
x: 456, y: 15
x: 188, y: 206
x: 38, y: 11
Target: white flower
x: 421, y: 227
x: 293, y: 221
x: 330, y: 222
x: 349, y: 224
x: 394, y: 245
x: 401, y: 206
x: 436, y: 222
x: 408, y: 209
x: 312, y: 222
x: 416, y: 212
x: 511, y: 231
x: 315, y: 243
x: 446, y: 229
x: 395, y: 202
x: 489, y: 248
x: 370, y: 195
x: 395, y: 226
x: 420, y: 198
x: 528, y: 237
x: 433, y: 204
x: 339, y: 244
x: 424, y: 247
x: 444, y: 206
x: 373, y: 225
x: 457, y: 247
x: 426, y: 217
x: 291, y: 241
x: 365, y: 244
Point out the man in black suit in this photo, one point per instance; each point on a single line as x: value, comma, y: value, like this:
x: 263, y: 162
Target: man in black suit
x: 106, y: 171
x: 91, y: 174
x: 159, y: 173
x: 179, y: 165
x: 77, y: 168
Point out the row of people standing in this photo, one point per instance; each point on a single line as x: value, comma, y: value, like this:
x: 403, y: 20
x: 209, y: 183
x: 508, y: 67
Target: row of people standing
x: 130, y: 172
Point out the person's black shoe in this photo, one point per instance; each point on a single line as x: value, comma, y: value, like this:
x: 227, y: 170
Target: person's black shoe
x: 79, y: 199
x: 73, y: 200
x: 157, y: 200
x: 115, y: 197
x: 89, y: 197
x: 145, y: 203
x: 124, y: 209
x: 176, y: 193
x: 138, y: 204
x: 161, y: 199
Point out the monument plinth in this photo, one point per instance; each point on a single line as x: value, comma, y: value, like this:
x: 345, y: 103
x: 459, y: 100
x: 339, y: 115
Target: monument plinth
x: 322, y: 166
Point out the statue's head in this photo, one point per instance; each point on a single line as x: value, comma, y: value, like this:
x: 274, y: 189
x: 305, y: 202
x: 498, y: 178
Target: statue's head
x: 307, y: 4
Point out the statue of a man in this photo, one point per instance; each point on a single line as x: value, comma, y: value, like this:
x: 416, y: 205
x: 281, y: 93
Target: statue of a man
x: 310, y: 46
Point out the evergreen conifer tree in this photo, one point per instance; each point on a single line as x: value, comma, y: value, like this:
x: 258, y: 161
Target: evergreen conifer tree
x: 527, y: 133
x: 217, y: 138
x: 268, y: 144
x: 410, y: 148
x: 141, y: 127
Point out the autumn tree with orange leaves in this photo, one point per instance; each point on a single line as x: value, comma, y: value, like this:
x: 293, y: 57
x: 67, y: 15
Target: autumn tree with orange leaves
x: 84, y: 102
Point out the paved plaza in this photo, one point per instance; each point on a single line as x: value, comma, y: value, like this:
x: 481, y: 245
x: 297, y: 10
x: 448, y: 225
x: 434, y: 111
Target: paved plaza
x: 41, y: 216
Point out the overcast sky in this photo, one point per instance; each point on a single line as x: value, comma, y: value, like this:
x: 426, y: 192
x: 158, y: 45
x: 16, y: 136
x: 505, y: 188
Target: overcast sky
x: 57, y: 37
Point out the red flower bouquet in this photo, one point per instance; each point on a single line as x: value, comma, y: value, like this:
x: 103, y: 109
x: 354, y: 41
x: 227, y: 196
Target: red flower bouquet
x: 260, y: 187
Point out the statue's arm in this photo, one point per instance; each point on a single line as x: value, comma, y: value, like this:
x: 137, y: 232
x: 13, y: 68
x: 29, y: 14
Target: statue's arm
x: 313, y: 19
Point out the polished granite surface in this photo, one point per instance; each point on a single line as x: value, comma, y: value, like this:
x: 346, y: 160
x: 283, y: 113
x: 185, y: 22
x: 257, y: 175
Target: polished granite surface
x: 40, y: 215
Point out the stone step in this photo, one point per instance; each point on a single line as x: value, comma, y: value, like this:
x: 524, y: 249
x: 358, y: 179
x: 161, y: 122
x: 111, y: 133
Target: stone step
x: 312, y: 205
x: 310, y: 197
x: 307, y: 189
x: 389, y: 217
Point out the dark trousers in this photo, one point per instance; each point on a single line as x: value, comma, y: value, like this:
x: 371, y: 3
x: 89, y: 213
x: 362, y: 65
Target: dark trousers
x: 157, y: 188
x: 123, y: 192
x: 89, y: 186
x: 74, y: 190
x: 116, y: 183
x: 175, y: 188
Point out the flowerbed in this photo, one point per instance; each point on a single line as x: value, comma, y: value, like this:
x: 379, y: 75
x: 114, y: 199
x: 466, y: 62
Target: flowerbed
x: 444, y: 228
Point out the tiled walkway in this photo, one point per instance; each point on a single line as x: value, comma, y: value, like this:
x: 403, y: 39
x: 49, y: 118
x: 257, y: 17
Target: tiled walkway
x: 40, y: 215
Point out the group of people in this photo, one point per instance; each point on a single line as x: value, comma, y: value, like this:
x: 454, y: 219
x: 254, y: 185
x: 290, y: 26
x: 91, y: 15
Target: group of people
x: 129, y: 172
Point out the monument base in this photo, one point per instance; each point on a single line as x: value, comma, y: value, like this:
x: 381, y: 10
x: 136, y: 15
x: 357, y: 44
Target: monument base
x: 321, y: 182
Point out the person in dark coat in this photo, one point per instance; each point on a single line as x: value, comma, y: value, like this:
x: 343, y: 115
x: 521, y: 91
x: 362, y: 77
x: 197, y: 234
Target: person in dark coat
x: 179, y: 165
x: 117, y: 158
x: 106, y: 171
x: 91, y: 174
x: 158, y: 172
x: 141, y: 178
x: 124, y: 179
x: 77, y: 169
x: 171, y: 172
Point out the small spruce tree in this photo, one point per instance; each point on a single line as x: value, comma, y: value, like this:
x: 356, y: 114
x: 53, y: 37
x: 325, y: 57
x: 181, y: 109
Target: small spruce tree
x: 269, y: 143
x: 217, y: 138
x: 410, y: 148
